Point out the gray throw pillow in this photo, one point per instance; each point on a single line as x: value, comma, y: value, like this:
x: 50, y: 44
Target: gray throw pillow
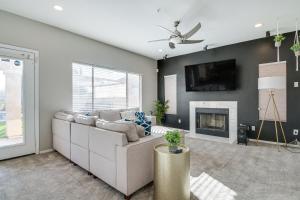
x: 128, y: 128
x: 140, y: 131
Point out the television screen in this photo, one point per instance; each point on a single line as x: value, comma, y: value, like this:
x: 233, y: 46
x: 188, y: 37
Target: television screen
x: 214, y: 76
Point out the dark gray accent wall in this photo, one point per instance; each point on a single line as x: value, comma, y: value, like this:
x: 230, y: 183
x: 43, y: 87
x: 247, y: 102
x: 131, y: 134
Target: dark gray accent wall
x: 248, y: 56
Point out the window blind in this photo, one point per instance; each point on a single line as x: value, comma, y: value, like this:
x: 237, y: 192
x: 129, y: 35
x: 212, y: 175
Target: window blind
x: 82, y: 81
x: 96, y: 88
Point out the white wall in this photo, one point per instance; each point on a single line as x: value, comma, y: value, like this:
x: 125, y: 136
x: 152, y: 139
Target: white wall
x: 58, y: 49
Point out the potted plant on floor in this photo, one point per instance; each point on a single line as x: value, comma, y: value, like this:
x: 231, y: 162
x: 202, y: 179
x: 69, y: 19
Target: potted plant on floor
x: 173, y: 139
x: 160, y: 110
x: 278, y: 39
x: 296, y: 49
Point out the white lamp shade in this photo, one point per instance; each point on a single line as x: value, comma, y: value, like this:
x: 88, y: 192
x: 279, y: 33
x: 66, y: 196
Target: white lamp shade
x: 275, y: 82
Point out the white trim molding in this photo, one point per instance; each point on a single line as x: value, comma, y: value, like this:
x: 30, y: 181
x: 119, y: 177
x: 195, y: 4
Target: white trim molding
x: 233, y: 119
x: 46, y: 151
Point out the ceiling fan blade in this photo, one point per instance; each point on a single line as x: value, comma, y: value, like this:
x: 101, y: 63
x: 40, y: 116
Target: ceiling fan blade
x: 160, y: 40
x: 171, y: 45
x: 191, y: 41
x: 172, y: 32
x: 192, y: 32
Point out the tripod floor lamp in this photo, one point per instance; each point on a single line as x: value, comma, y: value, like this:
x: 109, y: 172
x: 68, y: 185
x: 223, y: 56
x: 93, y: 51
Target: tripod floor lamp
x: 271, y: 84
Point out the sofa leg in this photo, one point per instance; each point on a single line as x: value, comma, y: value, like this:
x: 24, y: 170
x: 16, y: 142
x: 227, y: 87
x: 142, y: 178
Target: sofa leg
x: 127, y: 197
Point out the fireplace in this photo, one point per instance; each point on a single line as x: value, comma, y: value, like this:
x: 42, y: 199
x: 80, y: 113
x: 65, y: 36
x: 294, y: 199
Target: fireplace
x: 212, y: 121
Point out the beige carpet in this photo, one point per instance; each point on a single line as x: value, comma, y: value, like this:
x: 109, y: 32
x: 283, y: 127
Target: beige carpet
x: 218, y: 172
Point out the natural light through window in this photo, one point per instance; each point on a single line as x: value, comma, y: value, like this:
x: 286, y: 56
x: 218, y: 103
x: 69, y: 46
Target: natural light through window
x: 96, y: 88
x: 206, y: 187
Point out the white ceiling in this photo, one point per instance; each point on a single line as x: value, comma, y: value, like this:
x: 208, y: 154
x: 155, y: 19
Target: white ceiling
x: 129, y: 24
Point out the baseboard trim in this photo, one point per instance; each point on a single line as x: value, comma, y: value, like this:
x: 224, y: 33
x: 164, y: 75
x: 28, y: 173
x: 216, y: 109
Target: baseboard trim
x: 271, y: 142
x: 46, y: 151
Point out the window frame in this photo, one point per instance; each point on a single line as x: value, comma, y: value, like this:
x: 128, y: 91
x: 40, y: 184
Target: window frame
x: 112, y: 69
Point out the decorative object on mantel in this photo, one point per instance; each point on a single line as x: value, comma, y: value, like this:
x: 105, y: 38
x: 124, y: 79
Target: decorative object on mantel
x: 296, y: 47
x: 173, y: 138
x: 278, y: 40
x: 160, y: 110
x: 271, y: 84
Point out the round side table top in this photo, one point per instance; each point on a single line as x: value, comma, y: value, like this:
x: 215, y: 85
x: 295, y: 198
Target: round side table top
x: 164, y: 148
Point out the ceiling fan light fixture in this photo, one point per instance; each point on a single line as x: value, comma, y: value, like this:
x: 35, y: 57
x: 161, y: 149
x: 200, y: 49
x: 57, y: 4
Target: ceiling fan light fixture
x: 176, y: 40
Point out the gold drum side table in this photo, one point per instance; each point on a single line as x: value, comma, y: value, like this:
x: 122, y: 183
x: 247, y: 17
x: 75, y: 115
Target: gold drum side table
x: 171, y: 174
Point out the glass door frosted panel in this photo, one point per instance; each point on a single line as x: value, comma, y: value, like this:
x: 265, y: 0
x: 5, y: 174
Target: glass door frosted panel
x: 11, y: 109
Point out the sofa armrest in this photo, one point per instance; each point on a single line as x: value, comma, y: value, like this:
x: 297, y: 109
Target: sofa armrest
x: 135, y: 164
x: 104, y: 142
x: 152, y: 119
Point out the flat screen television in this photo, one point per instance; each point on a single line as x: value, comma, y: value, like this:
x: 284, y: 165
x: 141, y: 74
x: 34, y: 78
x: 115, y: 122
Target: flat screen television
x: 214, y: 76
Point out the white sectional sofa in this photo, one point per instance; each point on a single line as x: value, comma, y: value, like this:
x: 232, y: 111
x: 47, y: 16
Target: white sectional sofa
x: 61, y: 130
x: 126, y: 166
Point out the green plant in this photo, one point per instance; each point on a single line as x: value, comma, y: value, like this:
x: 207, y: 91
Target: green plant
x: 173, y: 138
x: 160, y: 110
x: 295, y: 47
x: 279, y: 38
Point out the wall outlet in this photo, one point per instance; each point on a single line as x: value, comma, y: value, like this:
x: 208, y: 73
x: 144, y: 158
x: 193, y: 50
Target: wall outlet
x: 179, y: 121
x: 252, y: 128
x: 295, y: 131
x: 296, y: 84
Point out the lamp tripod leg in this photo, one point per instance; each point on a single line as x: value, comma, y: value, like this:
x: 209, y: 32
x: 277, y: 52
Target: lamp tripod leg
x: 279, y: 120
x: 275, y: 123
x: 262, y: 122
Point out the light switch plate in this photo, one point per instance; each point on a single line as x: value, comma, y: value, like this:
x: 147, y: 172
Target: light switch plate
x: 253, y: 128
x: 296, y: 84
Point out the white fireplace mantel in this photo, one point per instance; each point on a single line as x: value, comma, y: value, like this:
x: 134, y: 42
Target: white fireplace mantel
x: 233, y: 119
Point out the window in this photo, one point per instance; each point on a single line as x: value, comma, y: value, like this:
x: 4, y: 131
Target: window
x: 96, y: 88
x: 82, y: 88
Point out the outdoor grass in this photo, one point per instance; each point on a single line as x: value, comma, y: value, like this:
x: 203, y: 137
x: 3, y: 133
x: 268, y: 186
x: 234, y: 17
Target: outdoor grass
x: 2, y: 130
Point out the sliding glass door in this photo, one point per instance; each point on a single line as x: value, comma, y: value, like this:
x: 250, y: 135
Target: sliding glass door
x: 16, y: 104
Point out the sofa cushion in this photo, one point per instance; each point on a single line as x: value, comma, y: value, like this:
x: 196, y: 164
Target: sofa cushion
x: 128, y: 115
x: 128, y: 128
x: 86, y: 120
x: 110, y: 115
x: 64, y: 116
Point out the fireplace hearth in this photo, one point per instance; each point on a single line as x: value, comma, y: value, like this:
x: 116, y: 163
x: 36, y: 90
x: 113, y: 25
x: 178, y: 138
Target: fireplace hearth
x: 212, y: 121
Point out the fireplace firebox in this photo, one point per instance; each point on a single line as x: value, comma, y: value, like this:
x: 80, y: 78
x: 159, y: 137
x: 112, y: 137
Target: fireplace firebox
x: 212, y: 121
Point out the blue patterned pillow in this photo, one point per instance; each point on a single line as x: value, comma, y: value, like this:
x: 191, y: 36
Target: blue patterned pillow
x: 141, y: 120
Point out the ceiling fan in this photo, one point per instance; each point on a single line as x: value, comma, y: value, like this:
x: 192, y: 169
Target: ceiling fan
x: 178, y: 38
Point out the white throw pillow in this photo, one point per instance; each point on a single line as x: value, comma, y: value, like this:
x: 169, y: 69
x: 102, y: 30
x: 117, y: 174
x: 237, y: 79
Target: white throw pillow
x: 129, y: 115
x: 86, y: 120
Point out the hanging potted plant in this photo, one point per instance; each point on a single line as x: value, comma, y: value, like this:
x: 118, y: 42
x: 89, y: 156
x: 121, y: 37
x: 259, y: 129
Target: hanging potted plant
x: 296, y: 49
x: 278, y: 39
x: 173, y: 139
